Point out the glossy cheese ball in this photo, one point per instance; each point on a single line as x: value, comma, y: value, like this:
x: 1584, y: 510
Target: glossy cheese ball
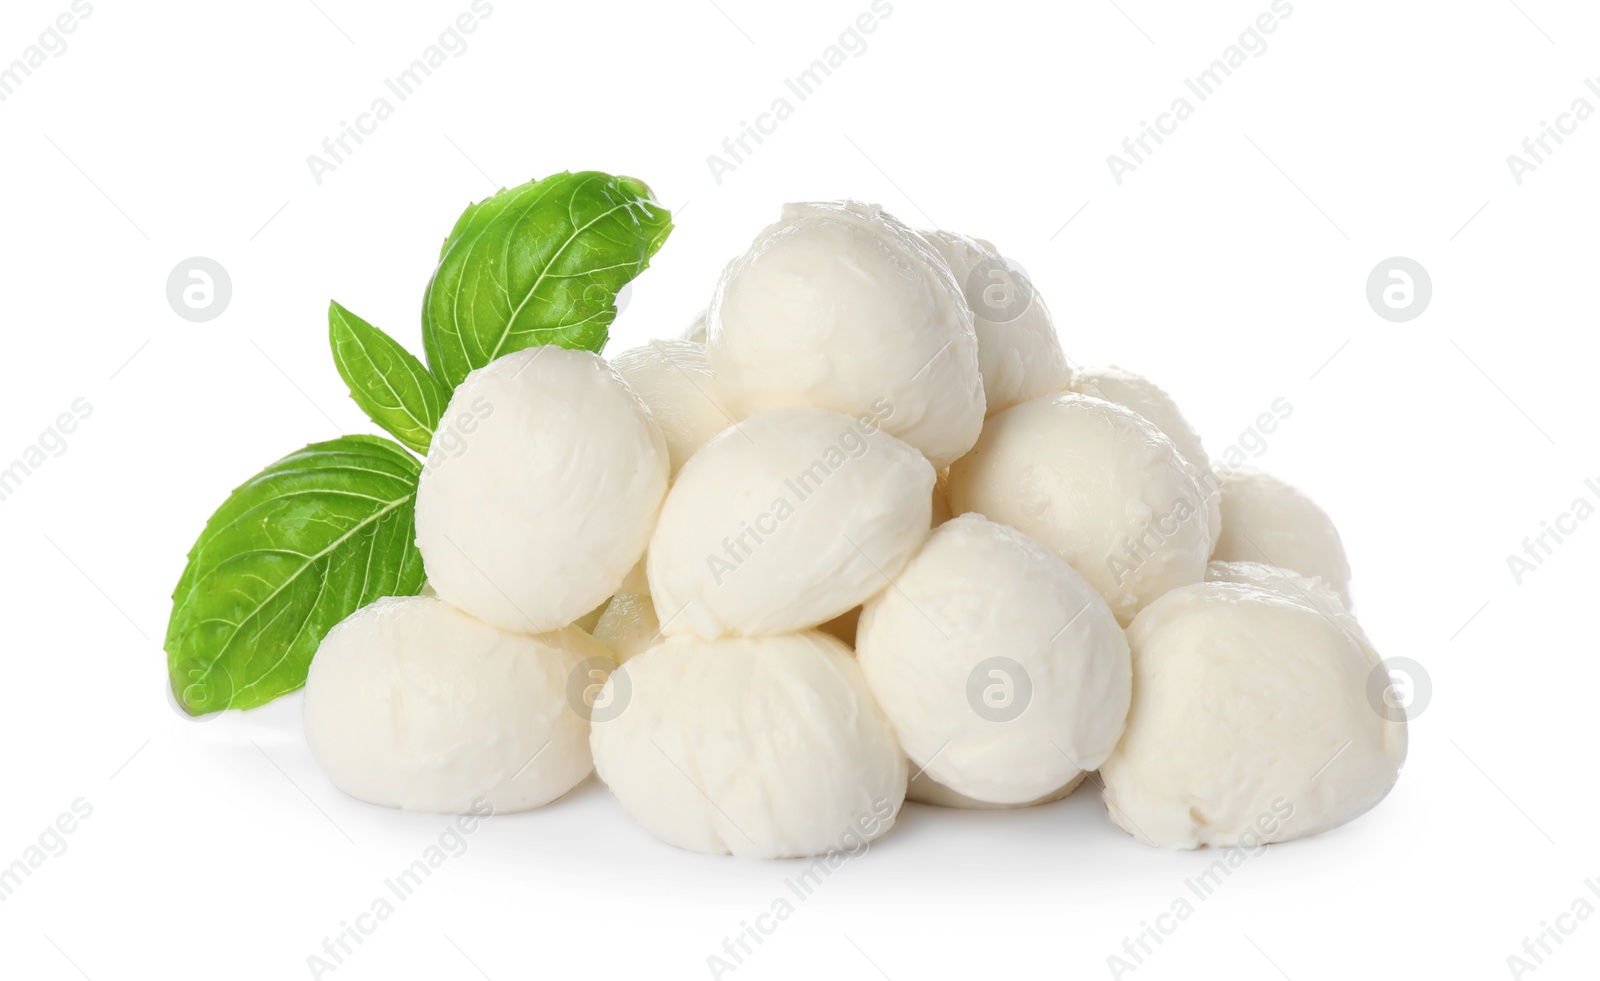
x: 786, y: 521
x: 541, y: 489
x: 767, y: 747
x: 839, y: 305
x: 411, y: 703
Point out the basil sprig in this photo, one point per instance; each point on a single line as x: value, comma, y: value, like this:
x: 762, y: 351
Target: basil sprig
x: 328, y: 529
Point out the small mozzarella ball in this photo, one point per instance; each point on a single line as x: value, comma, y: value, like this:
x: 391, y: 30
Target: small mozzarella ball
x: 1151, y: 401
x: 1098, y: 484
x: 1250, y: 723
x: 1004, y: 673
x: 786, y: 521
x: 769, y: 747
x: 1266, y: 520
x: 411, y: 703
x: 923, y: 789
x: 696, y: 331
x: 1019, y: 353
x: 838, y: 305
x: 628, y: 627
x: 674, y: 380
x: 541, y: 488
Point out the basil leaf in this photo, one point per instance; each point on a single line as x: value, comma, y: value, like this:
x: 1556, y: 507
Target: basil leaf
x: 538, y: 264
x: 392, y: 387
x: 294, y: 550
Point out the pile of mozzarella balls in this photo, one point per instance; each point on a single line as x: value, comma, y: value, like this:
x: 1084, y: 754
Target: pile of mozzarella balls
x: 864, y: 534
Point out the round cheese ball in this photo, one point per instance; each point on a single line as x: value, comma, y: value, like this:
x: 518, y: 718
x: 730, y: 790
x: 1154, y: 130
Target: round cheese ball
x: 923, y: 789
x: 1098, y: 484
x: 674, y: 380
x: 786, y: 521
x: 1004, y: 673
x: 541, y: 488
x: 1149, y: 400
x: 838, y: 305
x: 767, y: 747
x: 628, y: 627
x: 1266, y: 520
x: 1250, y: 722
x: 1019, y: 353
x: 411, y: 703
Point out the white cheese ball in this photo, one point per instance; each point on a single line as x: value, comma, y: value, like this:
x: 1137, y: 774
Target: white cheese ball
x: 541, y: 489
x: 411, y: 703
x: 1004, y: 673
x: 1151, y: 401
x: 923, y: 789
x: 1264, y: 519
x: 1097, y: 483
x: 1250, y: 722
x: 838, y: 305
x: 1019, y: 353
x: 766, y: 747
x: 674, y: 380
x: 628, y: 627
x: 786, y: 521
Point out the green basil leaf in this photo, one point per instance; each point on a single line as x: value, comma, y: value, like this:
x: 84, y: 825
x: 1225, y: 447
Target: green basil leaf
x: 392, y: 387
x: 538, y: 264
x: 294, y: 550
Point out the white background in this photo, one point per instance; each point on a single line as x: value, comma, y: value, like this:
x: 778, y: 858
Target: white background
x: 1230, y: 267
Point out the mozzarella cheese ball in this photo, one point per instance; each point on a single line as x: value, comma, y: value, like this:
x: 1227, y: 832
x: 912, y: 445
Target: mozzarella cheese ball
x: 411, y: 703
x: 769, y: 747
x: 1098, y: 484
x: 1004, y: 673
x: 1266, y: 520
x: 1019, y: 353
x: 923, y: 789
x: 628, y: 627
x: 1149, y: 400
x: 786, y: 521
x: 1250, y: 722
x: 674, y: 381
x: 838, y: 305
x: 541, y: 488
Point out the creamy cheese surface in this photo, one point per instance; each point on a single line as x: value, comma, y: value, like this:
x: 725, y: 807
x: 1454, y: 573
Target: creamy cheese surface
x: 1264, y: 519
x: 541, y: 489
x: 1153, y: 403
x: 786, y: 521
x: 841, y: 306
x: 1004, y: 673
x: 411, y: 703
x: 768, y: 747
x: 1251, y: 721
x: 673, y: 379
x: 1019, y: 353
x: 1098, y: 484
